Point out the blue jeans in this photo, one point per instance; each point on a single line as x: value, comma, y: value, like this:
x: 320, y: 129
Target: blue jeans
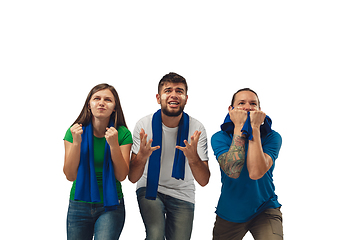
x: 85, y: 220
x: 166, y: 216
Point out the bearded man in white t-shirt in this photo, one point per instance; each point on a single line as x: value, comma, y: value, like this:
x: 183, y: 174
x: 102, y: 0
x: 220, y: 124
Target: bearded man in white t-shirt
x: 168, y: 153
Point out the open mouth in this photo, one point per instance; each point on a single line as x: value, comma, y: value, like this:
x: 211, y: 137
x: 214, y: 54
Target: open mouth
x: 173, y: 104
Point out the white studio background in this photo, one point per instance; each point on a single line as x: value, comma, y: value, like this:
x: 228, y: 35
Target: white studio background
x: 302, y: 57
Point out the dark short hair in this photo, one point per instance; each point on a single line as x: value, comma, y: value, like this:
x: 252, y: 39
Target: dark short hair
x: 241, y: 90
x: 172, y: 78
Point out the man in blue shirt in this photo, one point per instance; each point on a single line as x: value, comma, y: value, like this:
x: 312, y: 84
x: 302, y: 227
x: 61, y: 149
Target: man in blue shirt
x: 248, y: 201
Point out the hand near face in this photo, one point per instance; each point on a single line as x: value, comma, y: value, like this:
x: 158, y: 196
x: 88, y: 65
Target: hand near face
x: 145, y: 146
x: 111, y: 136
x: 238, y: 116
x: 76, y: 131
x: 190, y: 149
x: 257, y: 118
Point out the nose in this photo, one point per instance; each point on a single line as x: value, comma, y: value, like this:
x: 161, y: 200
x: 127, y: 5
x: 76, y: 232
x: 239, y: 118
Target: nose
x: 247, y: 107
x: 173, y: 95
x: 101, y: 102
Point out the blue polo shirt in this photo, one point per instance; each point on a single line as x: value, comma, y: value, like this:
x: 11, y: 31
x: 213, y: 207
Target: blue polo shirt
x: 242, y: 199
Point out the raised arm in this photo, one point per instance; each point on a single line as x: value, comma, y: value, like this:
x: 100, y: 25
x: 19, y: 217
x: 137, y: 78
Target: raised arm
x: 138, y: 161
x: 233, y: 160
x: 120, y: 155
x: 199, y: 168
x: 72, y: 153
x: 258, y: 162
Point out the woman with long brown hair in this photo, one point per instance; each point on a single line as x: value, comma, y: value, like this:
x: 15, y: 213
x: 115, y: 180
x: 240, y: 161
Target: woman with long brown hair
x: 97, y: 153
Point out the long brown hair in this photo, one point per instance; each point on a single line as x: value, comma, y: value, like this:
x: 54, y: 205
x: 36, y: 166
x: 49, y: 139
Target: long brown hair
x: 85, y: 115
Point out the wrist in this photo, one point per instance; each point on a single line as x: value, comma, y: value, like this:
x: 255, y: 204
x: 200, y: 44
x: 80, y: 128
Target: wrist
x: 76, y: 144
x: 255, y: 127
x: 256, y: 131
x: 113, y: 145
x: 141, y: 157
x: 194, y: 158
x: 238, y: 128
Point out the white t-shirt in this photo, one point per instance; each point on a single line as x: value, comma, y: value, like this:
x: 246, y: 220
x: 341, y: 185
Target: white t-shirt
x: 180, y: 189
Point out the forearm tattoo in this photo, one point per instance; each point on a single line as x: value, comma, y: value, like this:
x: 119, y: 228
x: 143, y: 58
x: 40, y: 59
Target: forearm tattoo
x: 233, y: 161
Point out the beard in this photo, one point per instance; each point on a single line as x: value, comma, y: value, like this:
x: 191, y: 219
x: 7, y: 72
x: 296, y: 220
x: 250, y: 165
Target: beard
x: 175, y: 113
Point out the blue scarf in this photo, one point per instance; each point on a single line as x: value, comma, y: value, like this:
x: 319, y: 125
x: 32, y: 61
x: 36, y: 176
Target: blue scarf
x: 86, y: 183
x: 155, y: 158
x: 228, y: 126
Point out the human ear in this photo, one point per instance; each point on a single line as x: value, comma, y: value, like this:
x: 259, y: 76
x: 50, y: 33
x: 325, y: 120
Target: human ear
x: 158, y: 98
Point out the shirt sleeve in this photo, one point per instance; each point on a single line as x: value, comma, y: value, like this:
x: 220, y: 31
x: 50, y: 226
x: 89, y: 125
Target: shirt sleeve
x: 220, y: 143
x: 68, y: 136
x: 202, y: 147
x: 124, y: 136
x: 136, y: 139
x: 272, y: 144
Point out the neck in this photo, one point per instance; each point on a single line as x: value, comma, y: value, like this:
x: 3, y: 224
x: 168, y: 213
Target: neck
x: 99, y: 126
x: 170, y: 122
